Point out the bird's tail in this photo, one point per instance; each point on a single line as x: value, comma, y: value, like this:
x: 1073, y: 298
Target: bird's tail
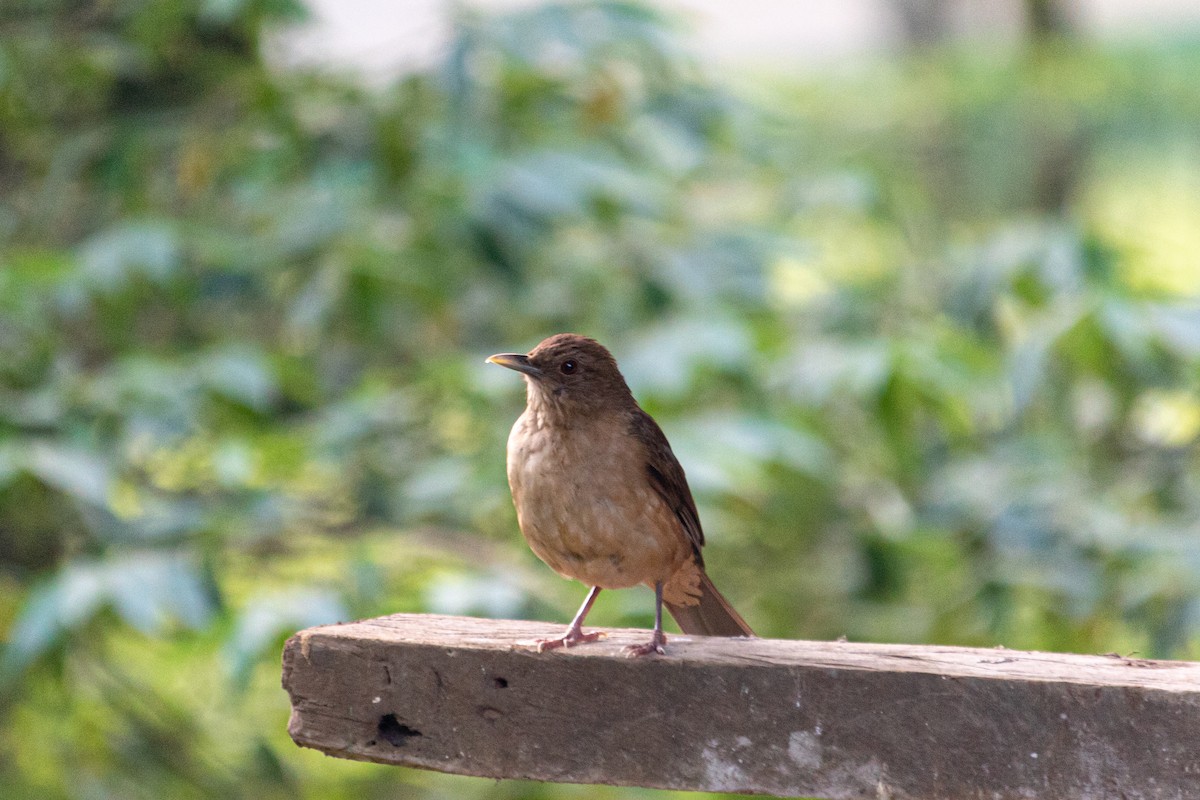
x: 712, y: 616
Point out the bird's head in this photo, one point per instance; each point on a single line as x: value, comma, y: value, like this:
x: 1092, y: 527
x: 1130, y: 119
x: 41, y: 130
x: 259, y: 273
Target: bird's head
x: 570, y: 372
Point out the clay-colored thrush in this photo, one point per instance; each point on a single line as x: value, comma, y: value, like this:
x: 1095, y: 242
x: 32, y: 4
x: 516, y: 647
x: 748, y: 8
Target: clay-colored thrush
x: 600, y: 497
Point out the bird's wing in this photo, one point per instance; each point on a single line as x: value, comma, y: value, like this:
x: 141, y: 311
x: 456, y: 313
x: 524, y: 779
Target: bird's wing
x: 666, y: 476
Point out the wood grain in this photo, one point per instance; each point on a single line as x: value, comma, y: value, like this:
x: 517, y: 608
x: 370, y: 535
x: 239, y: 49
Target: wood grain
x: 824, y: 719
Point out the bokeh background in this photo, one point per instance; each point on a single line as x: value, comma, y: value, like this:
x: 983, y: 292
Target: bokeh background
x: 919, y: 310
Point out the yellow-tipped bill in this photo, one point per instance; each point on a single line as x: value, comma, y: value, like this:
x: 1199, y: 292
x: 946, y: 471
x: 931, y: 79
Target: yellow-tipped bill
x: 518, y: 361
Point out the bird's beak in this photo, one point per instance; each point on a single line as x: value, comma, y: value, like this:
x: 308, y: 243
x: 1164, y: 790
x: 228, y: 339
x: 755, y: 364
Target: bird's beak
x: 517, y: 361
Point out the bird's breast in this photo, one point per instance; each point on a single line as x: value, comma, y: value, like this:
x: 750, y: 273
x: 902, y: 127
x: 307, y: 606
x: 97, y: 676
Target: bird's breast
x: 586, y: 507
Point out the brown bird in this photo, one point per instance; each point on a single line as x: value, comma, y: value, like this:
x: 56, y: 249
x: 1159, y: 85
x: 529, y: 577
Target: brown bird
x: 600, y: 497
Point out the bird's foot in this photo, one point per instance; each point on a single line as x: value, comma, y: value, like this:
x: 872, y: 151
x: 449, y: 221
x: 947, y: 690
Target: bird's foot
x: 657, y: 644
x: 572, y: 637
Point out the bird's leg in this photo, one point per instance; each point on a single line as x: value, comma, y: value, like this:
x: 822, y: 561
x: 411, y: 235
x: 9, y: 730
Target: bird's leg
x: 658, y: 641
x: 574, y: 634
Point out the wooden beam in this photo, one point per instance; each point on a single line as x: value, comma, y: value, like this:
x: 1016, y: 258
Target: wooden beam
x: 825, y: 719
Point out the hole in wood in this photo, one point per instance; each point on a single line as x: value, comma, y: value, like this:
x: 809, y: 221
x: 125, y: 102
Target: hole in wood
x: 501, y: 683
x: 394, y: 732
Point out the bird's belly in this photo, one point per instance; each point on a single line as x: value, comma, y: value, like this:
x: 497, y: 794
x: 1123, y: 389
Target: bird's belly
x: 603, y: 525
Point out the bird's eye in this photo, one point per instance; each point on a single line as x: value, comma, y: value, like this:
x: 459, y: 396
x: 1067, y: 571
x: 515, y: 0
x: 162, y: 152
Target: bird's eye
x: 567, y: 367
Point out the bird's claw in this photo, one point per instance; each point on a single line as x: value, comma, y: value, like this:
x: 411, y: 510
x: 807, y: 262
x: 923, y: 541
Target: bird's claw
x: 568, y: 639
x: 655, y: 645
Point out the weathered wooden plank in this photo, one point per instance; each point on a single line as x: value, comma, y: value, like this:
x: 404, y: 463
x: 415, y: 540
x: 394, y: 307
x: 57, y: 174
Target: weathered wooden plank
x: 826, y: 719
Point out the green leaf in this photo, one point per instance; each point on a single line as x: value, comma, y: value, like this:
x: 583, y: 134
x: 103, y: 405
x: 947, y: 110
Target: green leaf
x: 82, y: 474
x: 267, y: 617
x: 241, y: 373
x: 148, y: 589
x: 50, y: 610
x: 109, y: 260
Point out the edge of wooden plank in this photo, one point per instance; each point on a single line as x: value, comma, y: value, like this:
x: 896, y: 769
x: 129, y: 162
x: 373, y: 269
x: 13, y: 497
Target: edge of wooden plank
x: 471, y: 633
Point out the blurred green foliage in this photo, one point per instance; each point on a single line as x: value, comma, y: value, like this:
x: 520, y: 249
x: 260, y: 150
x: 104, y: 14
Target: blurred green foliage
x: 925, y: 335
